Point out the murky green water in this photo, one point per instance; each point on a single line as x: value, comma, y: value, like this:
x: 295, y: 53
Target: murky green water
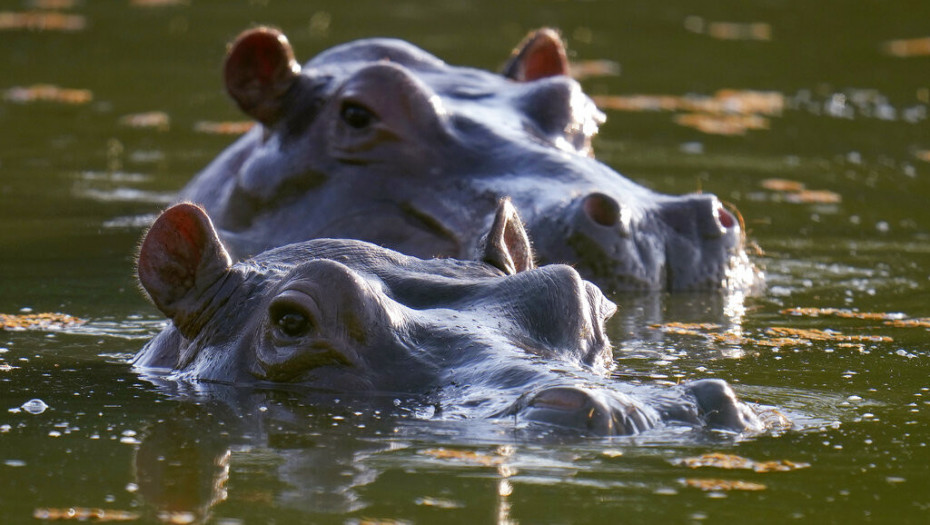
x: 841, y: 111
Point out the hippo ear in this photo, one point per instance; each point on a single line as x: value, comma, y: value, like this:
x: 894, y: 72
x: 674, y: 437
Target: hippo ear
x: 541, y: 54
x: 507, y: 245
x: 260, y: 68
x: 180, y: 258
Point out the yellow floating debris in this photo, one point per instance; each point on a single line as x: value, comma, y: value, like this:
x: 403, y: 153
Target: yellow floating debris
x: 594, y: 68
x: 224, y: 128
x: 686, y: 326
x: 814, y: 197
x: 158, y: 3
x: 841, y: 312
x: 761, y: 31
x: 53, y: 4
x: 41, y: 21
x: 724, y: 101
x: 158, y: 120
x: 47, y: 93
x: 908, y: 47
x: 84, y: 514
x: 467, y: 456
x: 921, y: 322
x: 715, y: 485
x: 714, y: 124
x: 795, y: 192
x: 923, y: 155
x: 733, y: 462
x: 813, y: 334
x: 41, y: 321
x: 782, y: 185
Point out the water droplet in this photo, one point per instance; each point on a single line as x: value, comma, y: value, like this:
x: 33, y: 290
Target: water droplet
x: 34, y: 406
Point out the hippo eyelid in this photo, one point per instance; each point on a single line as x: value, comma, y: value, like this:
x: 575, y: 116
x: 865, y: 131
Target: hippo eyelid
x: 290, y: 317
x: 356, y: 115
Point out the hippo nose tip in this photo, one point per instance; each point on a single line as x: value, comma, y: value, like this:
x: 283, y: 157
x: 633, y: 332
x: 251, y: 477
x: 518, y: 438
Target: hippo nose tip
x: 601, y: 209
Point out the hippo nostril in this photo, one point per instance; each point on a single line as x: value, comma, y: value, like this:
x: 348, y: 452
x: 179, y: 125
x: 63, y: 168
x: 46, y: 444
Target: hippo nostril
x: 726, y: 218
x: 601, y: 209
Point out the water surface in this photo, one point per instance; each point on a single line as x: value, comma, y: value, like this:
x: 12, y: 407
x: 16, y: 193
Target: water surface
x: 811, y: 119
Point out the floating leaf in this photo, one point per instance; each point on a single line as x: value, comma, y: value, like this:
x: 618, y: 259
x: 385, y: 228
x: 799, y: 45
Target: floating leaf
x: 908, y: 47
x: 782, y: 185
x: 53, y: 4
x: 686, y: 326
x: 731, y: 461
x: 467, y: 456
x: 795, y: 192
x: 594, y: 68
x: 761, y: 31
x: 84, y: 514
x: 439, y: 503
x: 48, y: 93
x: 814, y: 197
x: 723, y: 102
x: 158, y: 120
x: 921, y: 322
x: 841, y: 312
x: 715, y: 485
x: 41, y: 21
x: 814, y: 334
x: 224, y: 128
x: 41, y: 321
x: 713, y: 124
x: 157, y: 3
x: 923, y: 155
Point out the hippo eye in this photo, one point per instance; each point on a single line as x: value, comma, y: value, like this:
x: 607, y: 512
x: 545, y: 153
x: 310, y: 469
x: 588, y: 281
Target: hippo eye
x: 290, y: 321
x: 355, y: 115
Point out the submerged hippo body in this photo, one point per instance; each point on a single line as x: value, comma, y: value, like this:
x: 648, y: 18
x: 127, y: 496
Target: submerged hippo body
x: 380, y: 141
x: 475, y: 339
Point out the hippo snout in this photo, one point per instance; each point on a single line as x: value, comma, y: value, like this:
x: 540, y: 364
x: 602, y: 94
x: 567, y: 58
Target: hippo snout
x: 699, y: 216
x: 682, y: 243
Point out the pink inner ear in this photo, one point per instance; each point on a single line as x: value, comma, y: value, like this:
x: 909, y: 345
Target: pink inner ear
x: 256, y: 55
x: 545, y: 58
x: 259, y: 69
x: 172, y: 253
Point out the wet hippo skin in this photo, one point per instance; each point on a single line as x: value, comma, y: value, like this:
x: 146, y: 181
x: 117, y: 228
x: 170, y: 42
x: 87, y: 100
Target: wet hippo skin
x: 494, y: 338
x: 378, y: 140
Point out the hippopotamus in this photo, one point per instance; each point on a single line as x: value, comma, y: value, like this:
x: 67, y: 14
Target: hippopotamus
x: 378, y: 140
x: 493, y: 338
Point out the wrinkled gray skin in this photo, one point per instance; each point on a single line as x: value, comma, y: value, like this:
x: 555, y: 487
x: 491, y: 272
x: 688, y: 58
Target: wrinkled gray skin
x: 476, y: 339
x: 380, y: 141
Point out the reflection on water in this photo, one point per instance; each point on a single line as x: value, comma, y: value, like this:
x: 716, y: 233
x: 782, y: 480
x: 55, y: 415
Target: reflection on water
x: 828, y: 100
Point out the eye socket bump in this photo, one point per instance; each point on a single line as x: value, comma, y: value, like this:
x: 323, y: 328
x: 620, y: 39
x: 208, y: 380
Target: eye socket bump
x: 356, y: 115
x: 290, y: 320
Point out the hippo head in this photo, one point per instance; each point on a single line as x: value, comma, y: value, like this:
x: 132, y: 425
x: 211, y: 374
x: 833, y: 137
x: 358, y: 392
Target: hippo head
x: 380, y: 141
x: 346, y: 315
x: 491, y: 338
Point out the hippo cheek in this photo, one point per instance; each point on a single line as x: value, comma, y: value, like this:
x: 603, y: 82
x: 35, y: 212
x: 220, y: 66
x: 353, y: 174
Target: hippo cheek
x: 293, y: 364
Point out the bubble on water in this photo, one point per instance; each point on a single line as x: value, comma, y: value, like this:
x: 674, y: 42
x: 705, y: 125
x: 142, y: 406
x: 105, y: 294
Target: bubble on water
x: 34, y: 406
x: 131, y: 487
x: 854, y: 399
x: 14, y: 463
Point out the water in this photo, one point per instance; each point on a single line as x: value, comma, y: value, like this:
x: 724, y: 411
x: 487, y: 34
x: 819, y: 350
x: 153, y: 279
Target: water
x: 829, y: 95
